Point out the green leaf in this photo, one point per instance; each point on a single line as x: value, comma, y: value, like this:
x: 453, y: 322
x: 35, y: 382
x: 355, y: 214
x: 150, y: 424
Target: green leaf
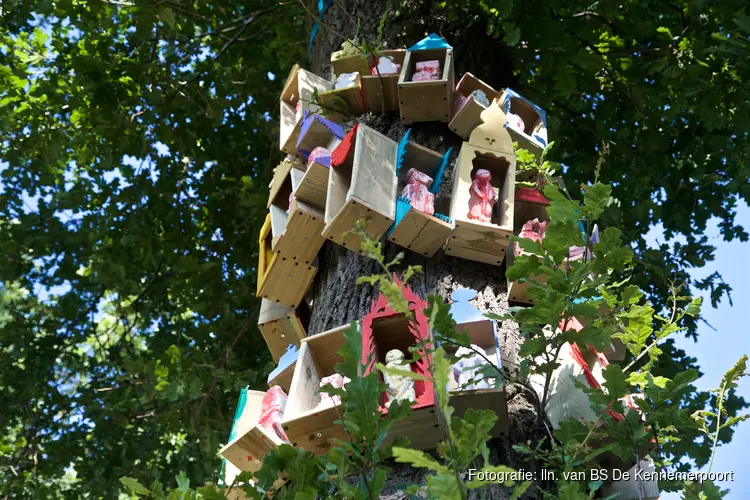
x: 183, y: 483
x: 134, y: 486
x: 418, y: 458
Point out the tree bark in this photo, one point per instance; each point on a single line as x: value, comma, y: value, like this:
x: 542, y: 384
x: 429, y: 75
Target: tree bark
x: 337, y: 298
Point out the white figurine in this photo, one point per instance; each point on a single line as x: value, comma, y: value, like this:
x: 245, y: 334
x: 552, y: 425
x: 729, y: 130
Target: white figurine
x: 466, y: 369
x: 481, y: 97
x: 516, y: 122
x: 400, y: 388
x: 346, y: 80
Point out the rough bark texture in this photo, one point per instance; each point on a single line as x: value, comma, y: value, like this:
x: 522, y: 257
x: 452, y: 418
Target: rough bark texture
x: 337, y: 299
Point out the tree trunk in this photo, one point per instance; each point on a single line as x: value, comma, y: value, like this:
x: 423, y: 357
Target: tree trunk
x: 337, y: 298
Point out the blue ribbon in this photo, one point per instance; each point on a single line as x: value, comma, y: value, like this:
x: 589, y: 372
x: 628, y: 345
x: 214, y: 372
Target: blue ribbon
x: 322, y: 7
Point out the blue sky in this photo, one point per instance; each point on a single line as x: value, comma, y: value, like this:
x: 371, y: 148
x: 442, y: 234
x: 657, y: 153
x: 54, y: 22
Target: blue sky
x: 718, y: 350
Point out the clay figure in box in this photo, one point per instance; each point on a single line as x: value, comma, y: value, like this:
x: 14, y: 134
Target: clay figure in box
x: 346, y: 80
x: 417, y: 191
x: 337, y: 381
x: 482, y: 196
x: 426, y: 71
x: 467, y: 370
x: 532, y: 230
x: 386, y: 66
x: 400, y: 387
x: 272, y: 410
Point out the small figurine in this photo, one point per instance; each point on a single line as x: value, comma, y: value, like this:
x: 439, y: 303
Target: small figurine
x: 420, y: 198
x: 346, y: 80
x: 532, y: 230
x: 336, y: 380
x: 516, y: 122
x: 481, y: 97
x: 466, y: 369
x: 400, y: 388
x: 482, y: 196
x: 427, y: 70
x: 320, y: 155
x: 272, y: 410
x: 386, y: 66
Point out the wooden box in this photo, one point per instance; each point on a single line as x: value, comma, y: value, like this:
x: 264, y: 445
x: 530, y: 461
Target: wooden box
x: 361, y: 185
x: 534, y: 136
x: 282, y: 326
x: 282, y: 374
x: 250, y: 442
x: 472, y: 239
x: 349, y: 60
x: 308, y: 423
x: 381, y: 92
x: 341, y: 104
x: 302, y: 238
x: 529, y: 204
x: 466, y: 111
x: 296, y: 100
x: 382, y: 330
x: 280, y: 205
x: 318, y: 131
x: 428, y: 100
x: 280, y: 175
x: 313, y: 187
x: 280, y: 279
x: 414, y: 229
x: 484, y: 334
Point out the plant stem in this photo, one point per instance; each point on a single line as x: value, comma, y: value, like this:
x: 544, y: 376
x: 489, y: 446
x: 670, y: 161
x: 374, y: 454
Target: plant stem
x: 718, y: 425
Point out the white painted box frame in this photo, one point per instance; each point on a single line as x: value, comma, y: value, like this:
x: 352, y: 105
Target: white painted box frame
x: 466, y: 110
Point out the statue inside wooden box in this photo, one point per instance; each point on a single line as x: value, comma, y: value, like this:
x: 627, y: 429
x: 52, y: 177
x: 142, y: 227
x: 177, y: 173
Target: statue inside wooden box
x: 417, y: 192
x: 482, y: 196
x: 386, y: 66
x: 426, y: 71
x: 400, y: 387
x: 272, y: 408
x: 467, y: 370
x: 336, y: 380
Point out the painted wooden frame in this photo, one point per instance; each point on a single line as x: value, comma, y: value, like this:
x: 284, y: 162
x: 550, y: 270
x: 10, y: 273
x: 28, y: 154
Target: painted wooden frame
x: 466, y: 111
x: 428, y: 100
x: 295, y: 102
x: 280, y: 279
x: 413, y: 229
x: 384, y: 329
x: 483, y: 333
x: 534, y: 136
x: 282, y: 326
x: 318, y: 131
x: 308, y: 423
x: 361, y: 185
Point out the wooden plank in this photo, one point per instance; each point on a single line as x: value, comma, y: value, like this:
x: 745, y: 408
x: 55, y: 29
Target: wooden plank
x: 421, y: 233
x: 281, y: 332
x: 289, y: 120
x: 283, y: 379
x: 314, y: 186
x: 349, y: 61
x: 280, y: 174
x: 302, y: 239
x: 407, y: 230
x: 422, y: 427
x: 272, y: 310
x: 469, y: 253
x: 303, y: 393
x: 325, y: 346
x: 287, y: 281
x: 374, y: 171
x: 373, y: 87
x: 429, y: 100
x: 341, y: 104
x: 279, y: 220
x: 346, y: 219
x: 466, y: 111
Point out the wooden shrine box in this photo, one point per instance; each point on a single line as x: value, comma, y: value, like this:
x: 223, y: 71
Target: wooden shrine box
x: 529, y: 204
x: 280, y: 205
x: 361, y: 186
x: 482, y: 333
x: 282, y: 326
x: 380, y: 92
x: 466, y: 111
x: 280, y: 279
x: 489, y: 148
x: 414, y: 229
x: 314, y: 185
x: 341, y: 104
x: 252, y: 442
x: 317, y: 131
x: 280, y: 174
x: 534, y: 136
x: 383, y: 330
x: 296, y: 99
x: 308, y: 423
x: 302, y: 239
x: 426, y: 101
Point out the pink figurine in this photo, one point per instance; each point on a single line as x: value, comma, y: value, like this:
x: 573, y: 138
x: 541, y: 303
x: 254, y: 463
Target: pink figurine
x: 417, y: 193
x: 426, y: 70
x: 482, y: 196
x: 321, y: 155
x: 336, y: 380
x: 272, y: 410
x: 532, y: 230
